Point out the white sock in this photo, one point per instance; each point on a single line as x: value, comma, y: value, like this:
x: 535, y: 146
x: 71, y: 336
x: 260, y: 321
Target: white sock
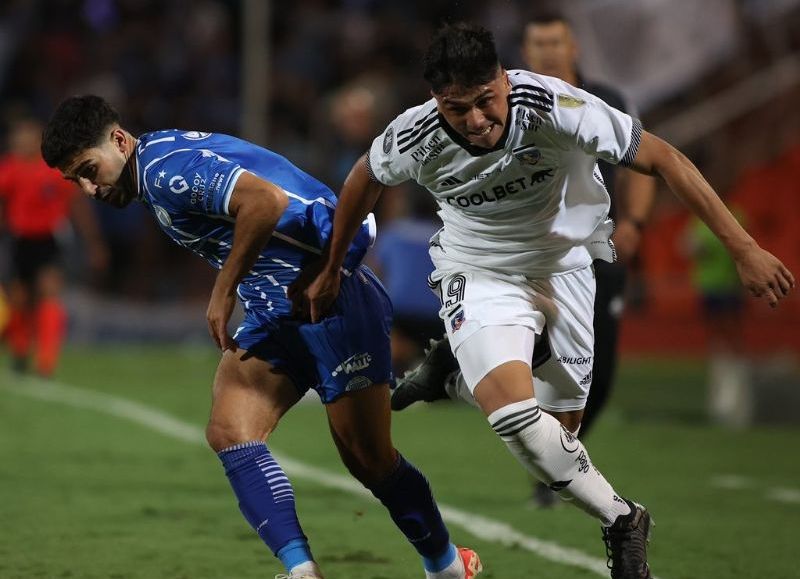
x: 309, y: 567
x: 454, y: 570
x: 457, y: 389
x: 557, y: 458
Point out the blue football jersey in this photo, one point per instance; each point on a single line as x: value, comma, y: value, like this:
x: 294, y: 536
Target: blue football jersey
x: 186, y: 179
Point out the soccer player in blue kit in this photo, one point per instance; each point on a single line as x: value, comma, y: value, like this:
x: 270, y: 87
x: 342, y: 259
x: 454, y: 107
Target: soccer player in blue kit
x: 260, y: 220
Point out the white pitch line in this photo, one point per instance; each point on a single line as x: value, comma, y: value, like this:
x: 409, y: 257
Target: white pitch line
x: 783, y: 495
x: 479, y: 526
x: 742, y: 483
x: 732, y: 482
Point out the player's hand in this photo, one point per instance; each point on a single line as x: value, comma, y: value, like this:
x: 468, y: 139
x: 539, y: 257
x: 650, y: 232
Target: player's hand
x: 314, y: 291
x: 626, y: 239
x: 763, y: 275
x: 220, y: 309
x: 88, y: 188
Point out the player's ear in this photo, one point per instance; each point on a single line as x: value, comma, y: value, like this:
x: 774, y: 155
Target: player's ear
x: 118, y: 138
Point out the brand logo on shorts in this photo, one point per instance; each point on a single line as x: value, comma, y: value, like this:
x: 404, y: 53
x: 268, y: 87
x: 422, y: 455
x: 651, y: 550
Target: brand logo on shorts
x: 358, y: 383
x: 586, y: 380
x: 574, y: 359
x: 353, y: 364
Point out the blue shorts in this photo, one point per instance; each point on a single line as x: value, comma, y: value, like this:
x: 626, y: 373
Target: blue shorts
x: 349, y: 350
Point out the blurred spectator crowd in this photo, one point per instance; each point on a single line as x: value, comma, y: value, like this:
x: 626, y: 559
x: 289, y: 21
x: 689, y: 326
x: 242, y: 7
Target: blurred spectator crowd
x: 339, y: 70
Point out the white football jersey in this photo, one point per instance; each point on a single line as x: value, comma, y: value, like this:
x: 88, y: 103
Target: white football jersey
x: 536, y: 203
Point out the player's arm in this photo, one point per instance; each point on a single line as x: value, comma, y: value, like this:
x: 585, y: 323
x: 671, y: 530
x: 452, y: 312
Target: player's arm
x: 636, y: 194
x: 762, y: 274
x: 256, y: 205
x: 358, y: 196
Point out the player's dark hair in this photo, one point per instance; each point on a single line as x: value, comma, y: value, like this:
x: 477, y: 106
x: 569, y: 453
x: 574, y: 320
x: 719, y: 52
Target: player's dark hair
x: 78, y: 123
x: 542, y: 17
x: 461, y: 54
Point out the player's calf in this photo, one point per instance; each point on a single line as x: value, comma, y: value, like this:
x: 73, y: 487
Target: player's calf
x: 266, y: 499
x: 555, y: 456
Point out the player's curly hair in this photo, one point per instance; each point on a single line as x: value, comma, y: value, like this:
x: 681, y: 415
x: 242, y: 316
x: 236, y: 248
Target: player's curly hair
x: 460, y: 54
x: 77, y: 124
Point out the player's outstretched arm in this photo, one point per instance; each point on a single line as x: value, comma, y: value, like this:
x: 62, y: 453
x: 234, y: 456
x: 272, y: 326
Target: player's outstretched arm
x: 636, y: 195
x: 315, y: 293
x: 762, y: 274
x: 256, y: 205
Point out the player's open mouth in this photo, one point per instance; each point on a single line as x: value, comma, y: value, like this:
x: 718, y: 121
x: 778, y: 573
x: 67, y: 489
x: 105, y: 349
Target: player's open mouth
x: 484, y: 132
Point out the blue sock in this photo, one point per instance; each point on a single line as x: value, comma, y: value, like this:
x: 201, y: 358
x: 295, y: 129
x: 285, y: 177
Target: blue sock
x: 294, y: 553
x: 266, y: 499
x: 407, y: 495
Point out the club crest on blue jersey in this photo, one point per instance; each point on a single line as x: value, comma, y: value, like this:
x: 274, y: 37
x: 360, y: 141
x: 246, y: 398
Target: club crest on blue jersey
x: 163, y: 217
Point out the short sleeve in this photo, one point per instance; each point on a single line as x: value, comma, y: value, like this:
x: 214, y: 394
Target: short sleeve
x: 581, y: 119
x: 385, y: 161
x: 194, y: 180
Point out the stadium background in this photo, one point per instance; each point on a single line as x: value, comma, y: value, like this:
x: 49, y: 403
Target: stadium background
x: 315, y: 80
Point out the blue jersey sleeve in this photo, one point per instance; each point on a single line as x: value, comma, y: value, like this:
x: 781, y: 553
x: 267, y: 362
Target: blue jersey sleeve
x: 196, y: 180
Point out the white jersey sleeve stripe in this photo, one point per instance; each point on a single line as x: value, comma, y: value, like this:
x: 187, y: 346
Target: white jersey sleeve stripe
x: 633, y: 147
x: 422, y: 121
x: 370, y: 172
x: 401, y: 141
x: 530, y: 103
x: 522, y: 89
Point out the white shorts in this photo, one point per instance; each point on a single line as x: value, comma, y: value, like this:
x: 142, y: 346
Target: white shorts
x: 563, y: 304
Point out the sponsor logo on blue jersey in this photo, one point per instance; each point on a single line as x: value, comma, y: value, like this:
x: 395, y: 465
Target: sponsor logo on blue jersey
x: 177, y: 184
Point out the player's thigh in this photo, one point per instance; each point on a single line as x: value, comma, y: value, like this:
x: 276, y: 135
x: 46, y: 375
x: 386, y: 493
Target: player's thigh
x: 495, y: 363
x: 249, y: 397
x: 562, y: 383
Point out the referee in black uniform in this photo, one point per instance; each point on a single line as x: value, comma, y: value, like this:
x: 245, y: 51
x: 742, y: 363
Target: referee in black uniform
x: 549, y: 47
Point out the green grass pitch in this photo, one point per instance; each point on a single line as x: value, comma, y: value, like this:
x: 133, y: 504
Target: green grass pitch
x: 84, y: 494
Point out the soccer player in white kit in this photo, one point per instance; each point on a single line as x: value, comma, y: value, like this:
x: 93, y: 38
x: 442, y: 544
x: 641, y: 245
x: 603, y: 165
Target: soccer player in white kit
x: 510, y: 157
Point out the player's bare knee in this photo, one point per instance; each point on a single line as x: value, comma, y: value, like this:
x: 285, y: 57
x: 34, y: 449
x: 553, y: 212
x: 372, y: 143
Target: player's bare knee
x: 222, y: 434
x: 571, y: 420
